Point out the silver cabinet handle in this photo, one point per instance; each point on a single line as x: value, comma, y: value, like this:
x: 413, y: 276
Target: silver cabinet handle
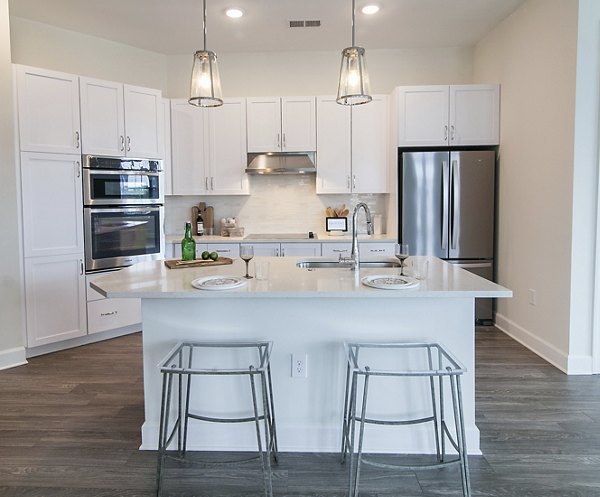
x: 223, y: 251
x: 278, y: 140
x: 111, y: 313
x: 276, y: 252
x: 78, y: 169
x: 348, y: 181
x: 452, y: 135
x: 354, y: 181
x: 340, y: 250
x: 128, y: 144
x: 282, y: 252
x: 206, y: 182
x: 446, y: 133
x: 212, y: 183
x: 76, y: 139
x: 373, y: 251
x: 122, y: 143
x: 80, y: 267
x: 283, y: 140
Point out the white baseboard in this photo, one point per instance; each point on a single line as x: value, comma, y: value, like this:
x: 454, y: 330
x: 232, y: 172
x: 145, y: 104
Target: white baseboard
x: 11, y: 358
x: 572, y: 365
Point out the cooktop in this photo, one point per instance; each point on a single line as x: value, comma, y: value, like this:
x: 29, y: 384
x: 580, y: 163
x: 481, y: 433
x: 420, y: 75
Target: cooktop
x: 281, y: 236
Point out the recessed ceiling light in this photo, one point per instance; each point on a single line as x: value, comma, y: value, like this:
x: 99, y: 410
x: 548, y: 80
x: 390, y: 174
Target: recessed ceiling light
x: 234, y: 13
x: 370, y: 9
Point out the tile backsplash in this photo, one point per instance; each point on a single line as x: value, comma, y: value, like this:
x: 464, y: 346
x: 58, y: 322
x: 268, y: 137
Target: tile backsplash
x: 276, y: 204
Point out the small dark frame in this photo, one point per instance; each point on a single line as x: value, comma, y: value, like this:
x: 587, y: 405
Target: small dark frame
x: 336, y: 224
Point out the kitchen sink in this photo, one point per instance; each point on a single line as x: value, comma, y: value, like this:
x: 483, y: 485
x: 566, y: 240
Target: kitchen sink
x: 337, y: 264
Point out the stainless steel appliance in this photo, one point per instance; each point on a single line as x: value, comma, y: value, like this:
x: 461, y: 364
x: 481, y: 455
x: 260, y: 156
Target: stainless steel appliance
x: 123, y: 212
x: 447, y: 209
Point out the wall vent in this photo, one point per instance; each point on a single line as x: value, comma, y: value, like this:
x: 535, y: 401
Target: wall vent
x: 305, y: 24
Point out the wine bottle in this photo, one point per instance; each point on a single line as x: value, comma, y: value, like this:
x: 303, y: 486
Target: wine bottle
x: 199, y: 224
x: 188, y: 244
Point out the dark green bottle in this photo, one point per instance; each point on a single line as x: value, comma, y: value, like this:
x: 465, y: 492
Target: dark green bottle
x: 188, y: 244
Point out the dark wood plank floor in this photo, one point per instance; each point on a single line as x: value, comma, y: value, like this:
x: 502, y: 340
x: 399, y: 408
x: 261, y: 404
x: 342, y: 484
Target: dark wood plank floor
x: 69, y: 427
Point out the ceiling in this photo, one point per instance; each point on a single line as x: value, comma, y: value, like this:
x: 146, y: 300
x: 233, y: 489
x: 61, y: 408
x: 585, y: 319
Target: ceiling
x: 175, y: 26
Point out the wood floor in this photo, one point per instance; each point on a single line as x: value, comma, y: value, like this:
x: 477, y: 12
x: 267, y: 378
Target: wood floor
x: 69, y: 427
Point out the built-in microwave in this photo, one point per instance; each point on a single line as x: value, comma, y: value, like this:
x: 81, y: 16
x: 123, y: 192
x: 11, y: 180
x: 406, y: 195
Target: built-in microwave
x: 122, y: 181
x: 121, y: 236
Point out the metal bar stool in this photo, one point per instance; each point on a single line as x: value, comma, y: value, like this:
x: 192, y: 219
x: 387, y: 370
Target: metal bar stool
x: 184, y: 361
x: 433, y: 362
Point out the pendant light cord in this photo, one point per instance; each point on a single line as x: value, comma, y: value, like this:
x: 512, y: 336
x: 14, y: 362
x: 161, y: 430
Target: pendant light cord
x: 204, y: 21
x: 353, y: 9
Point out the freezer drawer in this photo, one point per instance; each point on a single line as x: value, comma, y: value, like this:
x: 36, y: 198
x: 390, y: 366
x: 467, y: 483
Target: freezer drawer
x: 484, y: 308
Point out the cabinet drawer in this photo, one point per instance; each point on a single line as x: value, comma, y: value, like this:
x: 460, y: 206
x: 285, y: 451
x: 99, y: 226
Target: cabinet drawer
x: 110, y: 314
x: 336, y: 249
x: 374, y: 249
x: 225, y: 249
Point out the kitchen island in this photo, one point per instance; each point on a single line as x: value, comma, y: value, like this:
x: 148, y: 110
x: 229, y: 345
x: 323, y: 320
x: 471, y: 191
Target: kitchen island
x: 309, y: 313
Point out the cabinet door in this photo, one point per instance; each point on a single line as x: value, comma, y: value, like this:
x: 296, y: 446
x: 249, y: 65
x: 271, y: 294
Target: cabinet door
x: 333, y: 146
x: 48, y: 108
x: 475, y: 115
x: 300, y: 249
x: 264, y: 249
x: 334, y: 250
x: 166, y: 107
x: 52, y: 204
x: 144, y: 125
x: 264, y: 124
x: 423, y: 116
x: 102, y: 117
x: 298, y: 124
x: 189, y: 155
x: 55, y: 293
x: 370, y: 147
x: 227, y: 148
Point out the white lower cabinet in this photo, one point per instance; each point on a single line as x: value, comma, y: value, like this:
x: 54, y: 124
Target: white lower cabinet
x: 56, y: 297
x: 300, y: 249
x: 110, y: 314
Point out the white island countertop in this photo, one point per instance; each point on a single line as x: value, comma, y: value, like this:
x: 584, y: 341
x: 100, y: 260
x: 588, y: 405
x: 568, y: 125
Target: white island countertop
x: 154, y: 280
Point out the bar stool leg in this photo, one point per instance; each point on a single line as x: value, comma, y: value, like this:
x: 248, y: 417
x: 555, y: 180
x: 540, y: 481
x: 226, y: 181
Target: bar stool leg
x: 352, y: 431
x: 272, y: 425
x: 442, y: 419
x: 268, y: 474
x: 436, y: 428
x: 345, y: 423
x: 363, y: 416
x: 460, y: 434
x: 268, y: 491
x: 163, y: 430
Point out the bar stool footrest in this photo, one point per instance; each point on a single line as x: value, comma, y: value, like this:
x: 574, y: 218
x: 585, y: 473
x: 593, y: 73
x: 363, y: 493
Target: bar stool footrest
x: 410, y: 467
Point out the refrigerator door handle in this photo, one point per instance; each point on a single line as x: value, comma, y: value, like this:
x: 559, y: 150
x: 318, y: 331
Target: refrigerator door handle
x: 474, y: 265
x: 455, y: 212
x: 445, y: 203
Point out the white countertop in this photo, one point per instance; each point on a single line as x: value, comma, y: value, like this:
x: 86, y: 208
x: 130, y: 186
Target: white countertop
x: 154, y: 280
x: 321, y: 237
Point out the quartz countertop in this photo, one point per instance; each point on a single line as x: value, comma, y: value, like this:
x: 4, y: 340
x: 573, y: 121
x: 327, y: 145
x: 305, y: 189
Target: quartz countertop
x: 153, y: 280
x: 320, y: 237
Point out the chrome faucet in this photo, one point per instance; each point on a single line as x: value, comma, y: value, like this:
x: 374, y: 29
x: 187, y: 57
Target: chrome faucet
x: 354, y: 254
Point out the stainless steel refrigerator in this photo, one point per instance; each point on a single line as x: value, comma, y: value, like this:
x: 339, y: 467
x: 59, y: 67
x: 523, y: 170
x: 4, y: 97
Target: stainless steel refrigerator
x: 447, y: 209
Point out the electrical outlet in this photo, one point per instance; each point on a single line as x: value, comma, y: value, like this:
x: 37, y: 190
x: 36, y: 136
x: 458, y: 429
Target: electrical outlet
x: 532, y: 297
x: 299, y: 363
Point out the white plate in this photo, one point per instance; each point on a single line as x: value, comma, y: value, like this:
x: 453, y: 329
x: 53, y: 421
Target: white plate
x: 390, y: 282
x: 219, y: 282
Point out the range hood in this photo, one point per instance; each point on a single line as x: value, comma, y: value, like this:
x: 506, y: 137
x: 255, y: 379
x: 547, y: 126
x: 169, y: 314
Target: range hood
x: 281, y: 163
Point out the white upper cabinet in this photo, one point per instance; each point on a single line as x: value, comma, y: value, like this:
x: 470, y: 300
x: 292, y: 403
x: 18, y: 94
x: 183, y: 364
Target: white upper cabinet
x: 208, y: 147
x: 121, y: 120
x: 370, y: 146
x: 281, y: 124
x: 333, y: 147
x: 352, y: 146
x: 48, y: 109
x: 51, y: 183
x: 168, y: 175
x: 448, y: 115
x: 475, y: 115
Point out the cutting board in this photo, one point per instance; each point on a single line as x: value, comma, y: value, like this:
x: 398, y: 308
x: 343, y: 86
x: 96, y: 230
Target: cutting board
x: 178, y: 263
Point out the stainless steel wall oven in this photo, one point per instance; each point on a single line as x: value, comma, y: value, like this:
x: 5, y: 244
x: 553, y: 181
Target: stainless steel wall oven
x: 123, y: 211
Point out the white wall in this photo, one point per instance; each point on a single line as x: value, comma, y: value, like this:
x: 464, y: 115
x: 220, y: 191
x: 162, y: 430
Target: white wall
x: 42, y: 45
x: 316, y: 73
x: 11, y: 304
x: 532, y: 54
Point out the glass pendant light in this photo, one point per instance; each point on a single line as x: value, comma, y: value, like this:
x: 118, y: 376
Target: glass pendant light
x: 354, y: 87
x: 205, y: 89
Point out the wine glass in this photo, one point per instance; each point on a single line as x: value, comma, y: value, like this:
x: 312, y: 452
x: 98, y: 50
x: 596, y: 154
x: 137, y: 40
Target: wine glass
x: 402, y: 254
x: 247, y: 253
